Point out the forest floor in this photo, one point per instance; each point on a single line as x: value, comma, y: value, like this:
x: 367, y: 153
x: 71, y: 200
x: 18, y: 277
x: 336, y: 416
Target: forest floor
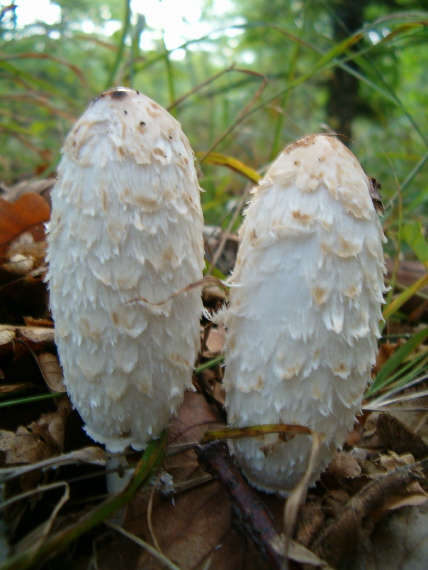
x: 186, y: 505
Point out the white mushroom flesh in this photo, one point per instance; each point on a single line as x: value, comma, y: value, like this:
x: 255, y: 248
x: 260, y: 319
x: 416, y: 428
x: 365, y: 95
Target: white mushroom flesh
x: 305, y: 306
x: 126, y: 226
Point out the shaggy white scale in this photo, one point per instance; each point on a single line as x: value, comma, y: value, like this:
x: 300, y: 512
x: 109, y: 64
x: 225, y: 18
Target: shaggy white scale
x: 305, y: 306
x: 126, y: 224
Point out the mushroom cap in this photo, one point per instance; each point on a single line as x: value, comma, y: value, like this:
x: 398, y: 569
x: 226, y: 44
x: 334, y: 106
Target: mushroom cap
x: 305, y: 305
x: 126, y: 227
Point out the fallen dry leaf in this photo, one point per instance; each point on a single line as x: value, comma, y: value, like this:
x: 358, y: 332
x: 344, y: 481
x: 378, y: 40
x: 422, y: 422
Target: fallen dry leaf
x: 12, y: 388
x: 310, y: 520
x: 40, y: 440
x: 51, y: 370
x: 26, y: 446
x: 37, y: 335
x: 36, y: 186
x: 355, y: 521
x: 15, y: 218
x: 215, y: 342
x: 194, y: 526
x: 399, y: 438
x: 344, y: 466
x: 398, y: 542
x: 7, y: 336
x: 25, y: 254
x: 31, y: 322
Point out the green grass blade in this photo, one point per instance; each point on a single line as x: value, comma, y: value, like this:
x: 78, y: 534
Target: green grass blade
x: 31, y: 399
x: 121, y: 50
x: 396, y: 360
x: 150, y: 461
x: 399, y: 301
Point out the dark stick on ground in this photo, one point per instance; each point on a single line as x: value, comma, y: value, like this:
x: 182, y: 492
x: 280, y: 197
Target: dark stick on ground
x: 254, y: 519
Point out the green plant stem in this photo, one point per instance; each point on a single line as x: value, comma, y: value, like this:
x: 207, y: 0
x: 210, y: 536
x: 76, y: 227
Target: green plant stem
x: 31, y: 399
x: 209, y: 364
x: 150, y: 461
x: 170, y: 79
x: 121, y: 49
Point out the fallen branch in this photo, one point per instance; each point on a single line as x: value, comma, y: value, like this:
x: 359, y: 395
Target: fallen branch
x: 252, y: 515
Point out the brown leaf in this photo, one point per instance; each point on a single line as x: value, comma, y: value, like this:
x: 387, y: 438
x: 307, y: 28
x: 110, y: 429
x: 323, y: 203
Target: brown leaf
x: 31, y: 322
x: 193, y: 527
x: 310, y: 519
x: 344, y: 466
x: 399, y: 438
x: 52, y: 372
x: 386, y: 350
x: 215, y: 342
x: 355, y: 521
x: 28, y: 211
x: 7, y: 336
x: 213, y: 295
x: 40, y: 440
x: 26, y: 446
x: 12, y: 388
x: 413, y: 494
x: 36, y: 186
x: 37, y: 335
x: 25, y: 254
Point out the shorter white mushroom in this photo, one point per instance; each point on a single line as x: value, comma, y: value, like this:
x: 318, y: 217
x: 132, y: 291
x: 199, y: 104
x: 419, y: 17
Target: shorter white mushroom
x: 305, y: 305
x: 126, y: 224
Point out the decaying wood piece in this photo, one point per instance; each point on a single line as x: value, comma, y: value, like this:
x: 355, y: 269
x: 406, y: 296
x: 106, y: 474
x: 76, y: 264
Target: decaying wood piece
x: 305, y: 304
x: 126, y: 225
x: 253, y: 517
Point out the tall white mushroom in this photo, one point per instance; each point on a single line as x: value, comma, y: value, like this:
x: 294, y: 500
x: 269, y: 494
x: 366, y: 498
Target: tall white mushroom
x: 126, y: 224
x: 305, y: 306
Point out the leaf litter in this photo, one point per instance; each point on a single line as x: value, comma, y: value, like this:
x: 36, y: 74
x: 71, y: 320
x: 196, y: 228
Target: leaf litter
x: 53, y: 475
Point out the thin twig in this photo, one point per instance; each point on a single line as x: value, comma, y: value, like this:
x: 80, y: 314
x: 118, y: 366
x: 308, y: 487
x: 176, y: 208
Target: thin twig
x: 225, y: 235
x: 253, y: 516
x: 149, y: 518
x: 144, y: 545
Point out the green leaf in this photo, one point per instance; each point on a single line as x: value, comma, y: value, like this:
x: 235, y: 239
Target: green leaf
x: 399, y: 301
x: 232, y: 163
x: 413, y: 236
x: 385, y: 375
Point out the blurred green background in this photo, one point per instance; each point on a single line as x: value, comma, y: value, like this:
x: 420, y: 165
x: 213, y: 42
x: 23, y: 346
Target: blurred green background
x: 249, y: 78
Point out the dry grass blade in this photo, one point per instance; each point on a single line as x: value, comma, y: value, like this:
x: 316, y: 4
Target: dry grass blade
x: 225, y: 234
x: 158, y: 555
x: 253, y: 431
x: 48, y: 525
x: 298, y: 497
x: 38, y: 490
x: 59, y: 541
x: 93, y: 455
x: 380, y: 405
x: 380, y: 401
x: 243, y: 114
x: 201, y: 85
x: 200, y: 283
x: 149, y: 518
